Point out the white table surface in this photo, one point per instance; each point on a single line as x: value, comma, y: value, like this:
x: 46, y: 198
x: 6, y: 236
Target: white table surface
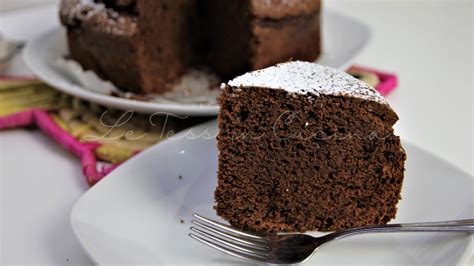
x: 427, y: 43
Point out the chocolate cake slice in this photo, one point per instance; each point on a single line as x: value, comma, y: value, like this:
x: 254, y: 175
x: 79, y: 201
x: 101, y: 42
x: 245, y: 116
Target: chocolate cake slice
x: 306, y: 147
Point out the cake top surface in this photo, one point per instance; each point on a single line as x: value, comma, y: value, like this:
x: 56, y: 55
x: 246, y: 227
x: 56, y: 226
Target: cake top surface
x: 305, y: 77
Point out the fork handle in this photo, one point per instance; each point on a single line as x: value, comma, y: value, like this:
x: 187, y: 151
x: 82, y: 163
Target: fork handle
x: 460, y: 226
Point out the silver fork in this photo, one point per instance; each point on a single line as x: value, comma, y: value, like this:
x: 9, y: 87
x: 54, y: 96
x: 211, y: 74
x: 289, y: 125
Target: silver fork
x: 297, y: 248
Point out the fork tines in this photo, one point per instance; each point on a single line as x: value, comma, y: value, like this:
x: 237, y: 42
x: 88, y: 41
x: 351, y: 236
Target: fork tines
x: 229, y: 240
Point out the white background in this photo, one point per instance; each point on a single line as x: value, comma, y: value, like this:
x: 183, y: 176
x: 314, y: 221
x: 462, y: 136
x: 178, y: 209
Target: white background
x: 427, y: 43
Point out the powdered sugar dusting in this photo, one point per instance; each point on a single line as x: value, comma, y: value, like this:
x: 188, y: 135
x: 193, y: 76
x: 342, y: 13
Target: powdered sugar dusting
x: 96, y: 16
x: 308, y: 78
x: 79, y: 9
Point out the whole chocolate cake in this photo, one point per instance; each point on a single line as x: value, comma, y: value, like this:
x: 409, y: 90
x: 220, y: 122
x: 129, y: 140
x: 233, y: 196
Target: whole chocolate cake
x: 306, y: 147
x: 145, y: 45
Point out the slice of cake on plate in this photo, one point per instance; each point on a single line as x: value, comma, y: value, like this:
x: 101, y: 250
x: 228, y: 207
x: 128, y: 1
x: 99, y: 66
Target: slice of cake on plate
x: 306, y: 147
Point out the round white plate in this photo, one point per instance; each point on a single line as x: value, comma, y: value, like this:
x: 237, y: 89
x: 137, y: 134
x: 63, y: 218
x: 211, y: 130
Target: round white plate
x: 343, y: 38
x: 134, y: 215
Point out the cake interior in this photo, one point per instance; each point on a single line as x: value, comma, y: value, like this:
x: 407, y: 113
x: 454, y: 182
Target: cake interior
x: 167, y: 40
x: 245, y: 39
x: 294, y: 162
x: 231, y: 38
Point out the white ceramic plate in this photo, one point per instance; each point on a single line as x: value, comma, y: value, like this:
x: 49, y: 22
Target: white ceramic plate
x: 133, y: 216
x: 343, y: 38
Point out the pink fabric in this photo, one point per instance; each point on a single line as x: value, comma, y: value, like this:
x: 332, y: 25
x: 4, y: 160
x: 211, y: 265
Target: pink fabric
x: 388, y: 82
x: 85, y: 151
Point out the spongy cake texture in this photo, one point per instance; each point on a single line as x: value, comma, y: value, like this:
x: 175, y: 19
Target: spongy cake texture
x: 306, y: 156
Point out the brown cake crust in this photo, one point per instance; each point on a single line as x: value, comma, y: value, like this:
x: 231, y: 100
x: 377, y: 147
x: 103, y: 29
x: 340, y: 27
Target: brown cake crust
x: 132, y: 51
x: 102, y: 41
x: 91, y: 49
x: 295, y: 162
